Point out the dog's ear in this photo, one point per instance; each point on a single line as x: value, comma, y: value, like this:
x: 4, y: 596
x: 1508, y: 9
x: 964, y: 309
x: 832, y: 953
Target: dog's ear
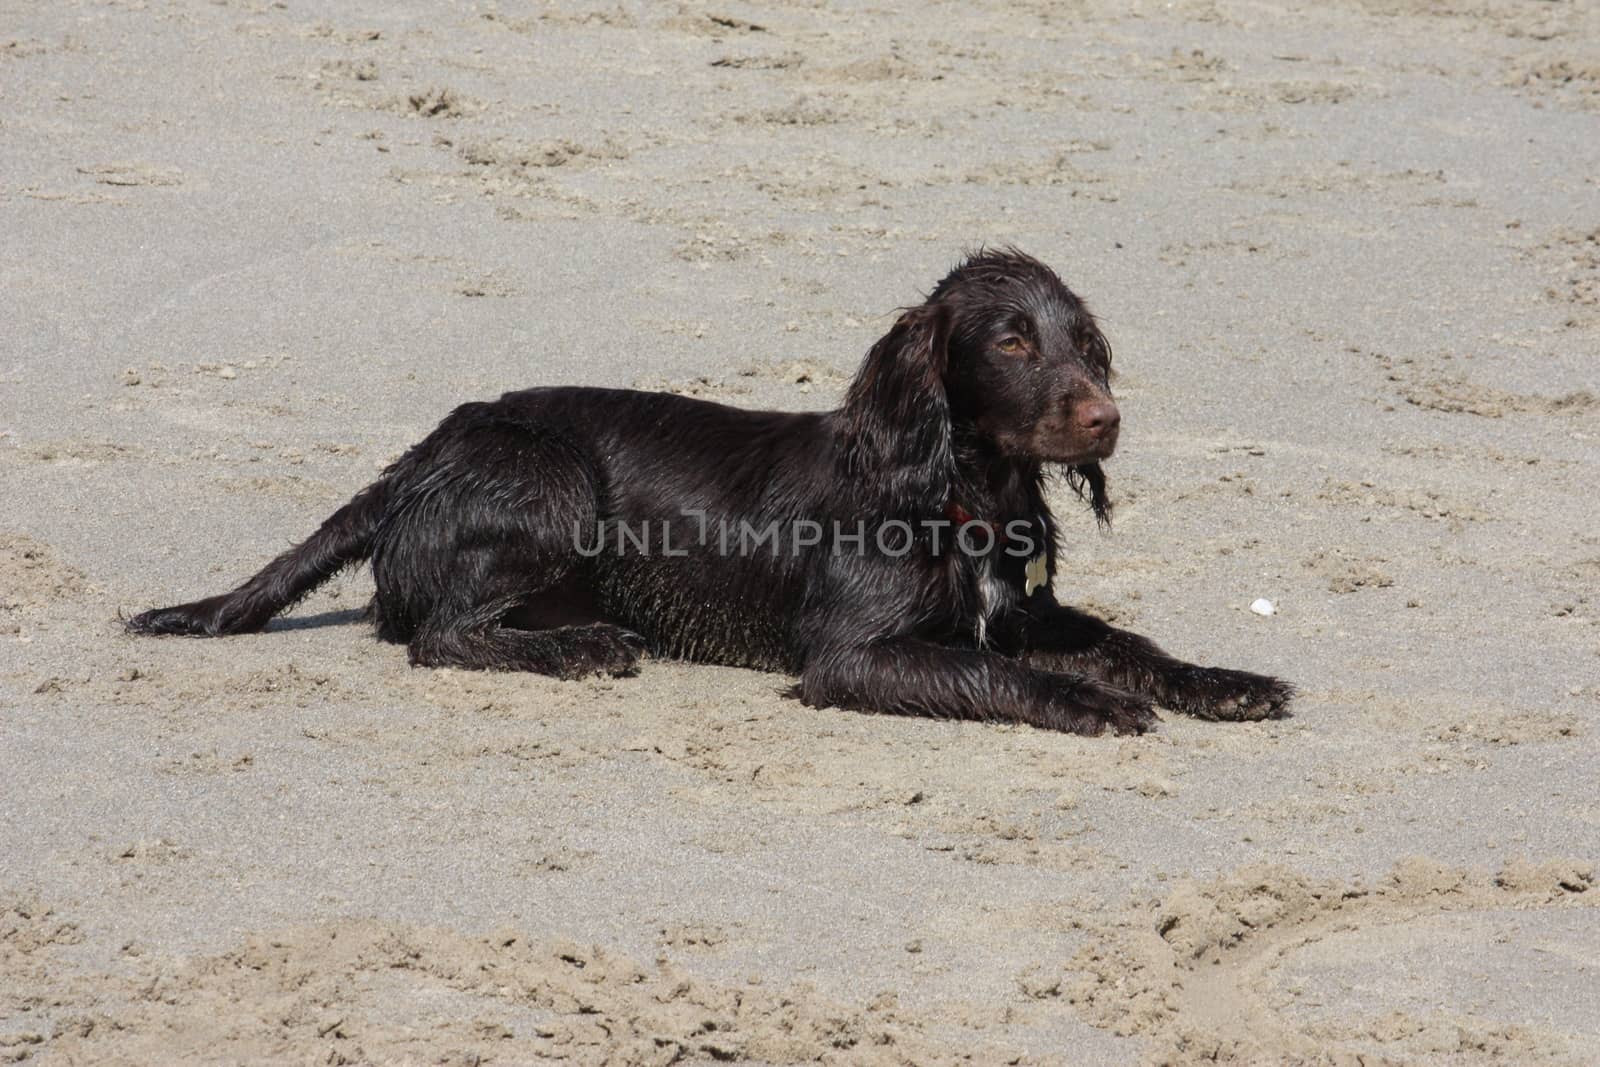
x: 897, y: 416
x: 1089, y: 482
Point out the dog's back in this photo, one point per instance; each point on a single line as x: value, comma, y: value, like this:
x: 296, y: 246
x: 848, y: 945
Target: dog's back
x: 611, y: 500
x: 697, y: 506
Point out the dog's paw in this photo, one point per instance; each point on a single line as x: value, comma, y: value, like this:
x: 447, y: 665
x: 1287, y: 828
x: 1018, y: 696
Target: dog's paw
x: 1088, y: 707
x: 1231, y: 696
x: 602, y: 649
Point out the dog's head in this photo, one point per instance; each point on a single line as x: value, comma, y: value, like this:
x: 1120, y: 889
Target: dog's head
x: 1001, y: 351
x: 1027, y: 367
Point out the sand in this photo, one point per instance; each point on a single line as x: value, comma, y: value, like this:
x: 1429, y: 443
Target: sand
x: 1348, y: 256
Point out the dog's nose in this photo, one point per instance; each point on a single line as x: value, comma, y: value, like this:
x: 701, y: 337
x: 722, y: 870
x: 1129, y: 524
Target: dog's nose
x: 1099, y: 417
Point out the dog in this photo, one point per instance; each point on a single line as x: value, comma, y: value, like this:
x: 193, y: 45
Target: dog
x: 896, y: 555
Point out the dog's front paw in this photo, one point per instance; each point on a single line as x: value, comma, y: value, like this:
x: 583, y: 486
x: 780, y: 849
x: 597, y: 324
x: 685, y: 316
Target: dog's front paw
x: 1232, y: 696
x: 1088, y: 707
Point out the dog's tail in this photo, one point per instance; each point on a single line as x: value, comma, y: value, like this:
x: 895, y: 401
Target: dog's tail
x: 345, y: 538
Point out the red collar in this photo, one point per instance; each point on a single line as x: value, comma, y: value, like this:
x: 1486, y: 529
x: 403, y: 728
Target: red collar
x: 961, y: 516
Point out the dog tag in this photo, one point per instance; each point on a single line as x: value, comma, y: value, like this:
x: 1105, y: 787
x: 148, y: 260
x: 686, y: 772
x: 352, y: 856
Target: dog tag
x: 1035, y: 575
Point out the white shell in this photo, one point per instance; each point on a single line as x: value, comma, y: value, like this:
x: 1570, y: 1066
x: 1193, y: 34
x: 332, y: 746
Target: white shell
x: 1263, y: 606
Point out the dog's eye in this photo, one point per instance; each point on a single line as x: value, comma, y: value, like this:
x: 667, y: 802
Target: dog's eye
x: 1010, y: 345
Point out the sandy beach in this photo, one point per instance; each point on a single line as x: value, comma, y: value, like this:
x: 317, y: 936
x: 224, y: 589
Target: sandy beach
x: 1348, y: 255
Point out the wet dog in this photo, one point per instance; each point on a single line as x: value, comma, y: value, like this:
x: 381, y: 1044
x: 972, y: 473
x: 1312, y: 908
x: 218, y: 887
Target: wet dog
x: 896, y: 554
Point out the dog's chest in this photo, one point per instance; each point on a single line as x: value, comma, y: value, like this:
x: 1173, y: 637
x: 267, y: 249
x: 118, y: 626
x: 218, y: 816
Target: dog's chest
x: 999, y: 581
x: 997, y: 589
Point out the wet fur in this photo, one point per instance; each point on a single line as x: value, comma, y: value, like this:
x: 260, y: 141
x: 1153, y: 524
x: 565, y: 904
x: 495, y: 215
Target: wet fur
x: 969, y: 399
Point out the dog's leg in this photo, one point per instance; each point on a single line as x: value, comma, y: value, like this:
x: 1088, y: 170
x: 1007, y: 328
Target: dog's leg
x: 906, y: 676
x: 481, y: 540
x: 1064, y: 639
x: 478, y: 642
